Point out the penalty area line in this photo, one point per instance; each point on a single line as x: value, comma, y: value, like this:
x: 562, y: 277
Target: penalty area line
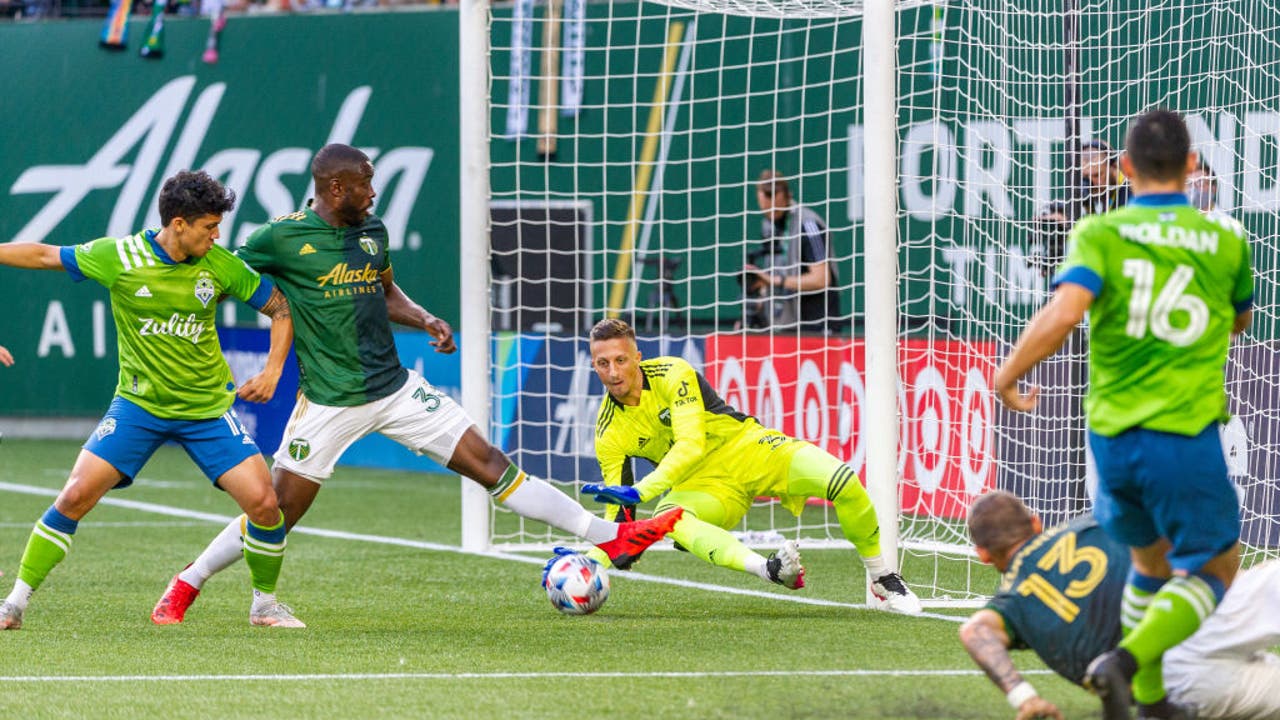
x: 325, y: 677
x: 216, y: 518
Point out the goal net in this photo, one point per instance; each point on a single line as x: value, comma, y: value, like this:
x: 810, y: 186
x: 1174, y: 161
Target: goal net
x: 628, y: 145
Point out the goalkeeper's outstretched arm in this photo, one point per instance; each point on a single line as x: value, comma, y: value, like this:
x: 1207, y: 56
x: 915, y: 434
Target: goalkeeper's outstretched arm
x: 984, y: 636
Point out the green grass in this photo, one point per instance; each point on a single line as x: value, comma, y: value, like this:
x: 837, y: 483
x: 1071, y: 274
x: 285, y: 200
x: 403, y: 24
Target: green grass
x: 459, y: 624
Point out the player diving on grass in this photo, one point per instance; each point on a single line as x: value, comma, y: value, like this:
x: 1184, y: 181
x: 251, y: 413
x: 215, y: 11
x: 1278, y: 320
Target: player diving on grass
x: 712, y: 461
x: 331, y: 260
x: 1165, y: 288
x: 1061, y: 597
x: 174, y: 382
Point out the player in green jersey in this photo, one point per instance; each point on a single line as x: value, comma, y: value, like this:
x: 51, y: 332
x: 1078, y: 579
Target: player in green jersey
x: 331, y: 261
x: 713, y: 461
x: 174, y: 383
x: 1165, y: 288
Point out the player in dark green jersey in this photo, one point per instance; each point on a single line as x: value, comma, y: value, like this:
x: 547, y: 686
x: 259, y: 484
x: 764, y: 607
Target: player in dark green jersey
x: 174, y: 383
x: 1165, y: 288
x: 1060, y: 596
x: 331, y: 261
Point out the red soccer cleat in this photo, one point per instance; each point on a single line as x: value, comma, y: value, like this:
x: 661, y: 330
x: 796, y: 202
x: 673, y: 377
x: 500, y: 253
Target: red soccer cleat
x: 173, y: 605
x: 636, y: 537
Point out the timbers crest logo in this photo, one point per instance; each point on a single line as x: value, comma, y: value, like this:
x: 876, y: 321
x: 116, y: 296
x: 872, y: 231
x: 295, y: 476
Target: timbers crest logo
x: 299, y: 449
x: 204, y: 288
x: 368, y: 245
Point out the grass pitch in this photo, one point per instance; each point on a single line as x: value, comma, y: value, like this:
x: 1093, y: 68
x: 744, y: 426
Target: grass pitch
x: 408, y: 627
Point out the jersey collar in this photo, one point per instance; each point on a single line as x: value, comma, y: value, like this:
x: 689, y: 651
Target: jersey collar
x: 150, y: 235
x: 1159, y: 199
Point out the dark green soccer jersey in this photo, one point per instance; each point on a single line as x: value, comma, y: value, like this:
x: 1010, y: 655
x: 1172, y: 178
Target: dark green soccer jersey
x: 1061, y: 596
x: 332, y: 278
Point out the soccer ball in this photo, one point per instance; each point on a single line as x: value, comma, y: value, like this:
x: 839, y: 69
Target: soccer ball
x: 576, y: 584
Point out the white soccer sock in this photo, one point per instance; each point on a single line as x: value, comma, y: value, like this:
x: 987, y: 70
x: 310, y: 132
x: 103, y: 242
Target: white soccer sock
x: 222, y: 553
x: 758, y: 564
x: 536, y: 499
x: 20, y: 595
x: 876, y: 566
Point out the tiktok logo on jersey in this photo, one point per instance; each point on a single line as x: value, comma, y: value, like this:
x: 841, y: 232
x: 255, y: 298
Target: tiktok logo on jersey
x: 176, y: 326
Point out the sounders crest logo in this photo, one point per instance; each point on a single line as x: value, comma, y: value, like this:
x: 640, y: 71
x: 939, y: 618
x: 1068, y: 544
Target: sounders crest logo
x: 299, y: 449
x: 105, y: 428
x: 204, y: 288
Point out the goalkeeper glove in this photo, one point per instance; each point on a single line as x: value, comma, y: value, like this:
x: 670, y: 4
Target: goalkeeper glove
x: 613, y: 494
x: 559, y: 553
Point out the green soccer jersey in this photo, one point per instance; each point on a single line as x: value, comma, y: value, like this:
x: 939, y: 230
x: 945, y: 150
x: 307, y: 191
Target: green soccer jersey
x: 1168, y: 283
x: 332, y: 278
x: 171, y: 363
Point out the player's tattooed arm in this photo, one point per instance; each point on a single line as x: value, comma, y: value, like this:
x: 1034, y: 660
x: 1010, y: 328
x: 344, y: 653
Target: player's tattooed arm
x: 404, y: 311
x: 262, y: 387
x: 984, y: 637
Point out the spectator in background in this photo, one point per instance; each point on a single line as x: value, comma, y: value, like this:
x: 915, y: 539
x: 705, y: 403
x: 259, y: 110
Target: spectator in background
x: 1048, y: 237
x: 1103, y: 185
x: 6, y: 358
x: 799, y: 282
x: 1202, y: 187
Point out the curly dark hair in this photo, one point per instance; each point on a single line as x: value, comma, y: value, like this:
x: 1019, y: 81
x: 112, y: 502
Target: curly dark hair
x: 190, y: 195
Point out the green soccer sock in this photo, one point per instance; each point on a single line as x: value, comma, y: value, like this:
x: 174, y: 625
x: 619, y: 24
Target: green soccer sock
x: 46, y: 547
x: 1174, y: 613
x: 1148, y: 683
x: 264, y: 554
x: 714, y: 545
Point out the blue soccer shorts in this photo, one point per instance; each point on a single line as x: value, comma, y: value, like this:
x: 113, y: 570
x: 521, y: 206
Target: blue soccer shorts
x: 1155, y: 484
x: 128, y: 436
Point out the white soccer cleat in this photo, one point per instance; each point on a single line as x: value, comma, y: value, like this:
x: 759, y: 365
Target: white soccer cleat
x: 784, y: 566
x: 895, y: 596
x: 274, y: 614
x: 10, y: 616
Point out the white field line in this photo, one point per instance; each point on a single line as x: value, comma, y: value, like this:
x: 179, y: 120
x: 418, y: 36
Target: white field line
x: 423, y: 545
x: 500, y: 676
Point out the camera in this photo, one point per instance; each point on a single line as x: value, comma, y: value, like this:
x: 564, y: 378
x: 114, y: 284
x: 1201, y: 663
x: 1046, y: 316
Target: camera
x: 1048, y: 237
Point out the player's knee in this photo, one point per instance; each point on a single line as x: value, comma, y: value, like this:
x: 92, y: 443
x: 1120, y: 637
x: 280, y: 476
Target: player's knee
x: 261, y: 507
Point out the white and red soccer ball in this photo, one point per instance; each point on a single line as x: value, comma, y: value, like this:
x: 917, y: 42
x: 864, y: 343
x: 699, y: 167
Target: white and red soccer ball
x: 576, y: 584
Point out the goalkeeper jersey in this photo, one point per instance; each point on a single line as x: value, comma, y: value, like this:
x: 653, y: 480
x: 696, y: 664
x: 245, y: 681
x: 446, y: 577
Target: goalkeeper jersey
x: 1168, y: 283
x: 679, y: 421
x: 171, y: 363
x: 332, y: 278
x: 1060, y: 595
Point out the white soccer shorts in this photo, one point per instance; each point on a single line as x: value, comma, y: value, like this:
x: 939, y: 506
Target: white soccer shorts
x: 418, y: 416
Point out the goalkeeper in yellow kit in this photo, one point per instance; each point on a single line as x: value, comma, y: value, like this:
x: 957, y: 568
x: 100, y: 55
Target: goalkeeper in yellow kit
x: 713, y: 461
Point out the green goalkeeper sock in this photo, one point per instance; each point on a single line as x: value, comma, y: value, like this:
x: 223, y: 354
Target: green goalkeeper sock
x: 1148, y: 683
x: 714, y: 545
x: 1175, y: 612
x: 46, y: 547
x: 264, y: 554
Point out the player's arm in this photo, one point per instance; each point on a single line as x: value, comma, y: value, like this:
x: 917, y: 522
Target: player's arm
x: 262, y: 387
x: 33, y: 256
x: 680, y: 387
x: 404, y: 311
x: 6, y: 358
x: 987, y: 642
x: 1043, y: 337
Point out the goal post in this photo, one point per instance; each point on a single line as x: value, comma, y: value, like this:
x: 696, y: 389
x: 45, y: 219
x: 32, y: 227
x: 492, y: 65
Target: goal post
x: 934, y: 140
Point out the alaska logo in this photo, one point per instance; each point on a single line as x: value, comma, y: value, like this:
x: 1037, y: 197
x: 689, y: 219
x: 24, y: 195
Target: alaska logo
x: 368, y: 245
x: 664, y: 417
x: 204, y: 288
x: 299, y: 449
x: 342, y: 274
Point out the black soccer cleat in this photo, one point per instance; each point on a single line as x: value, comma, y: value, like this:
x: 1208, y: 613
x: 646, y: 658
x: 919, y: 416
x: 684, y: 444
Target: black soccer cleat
x: 1109, y: 677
